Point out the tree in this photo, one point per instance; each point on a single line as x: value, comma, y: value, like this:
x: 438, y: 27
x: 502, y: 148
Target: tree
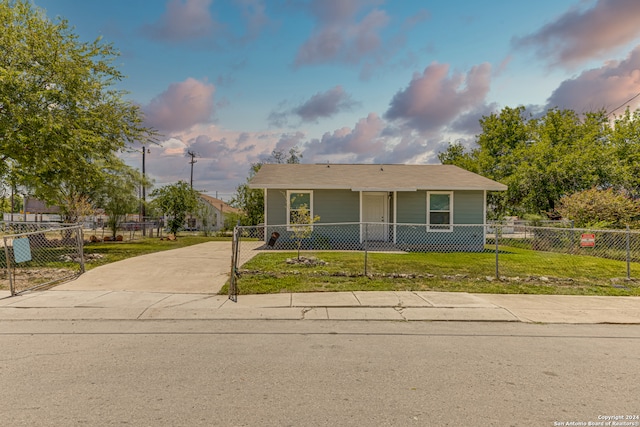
x: 302, y: 223
x: 61, y: 120
x: 251, y: 201
x: 118, y: 196
x: 175, y: 201
x: 207, y: 215
x: 540, y: 159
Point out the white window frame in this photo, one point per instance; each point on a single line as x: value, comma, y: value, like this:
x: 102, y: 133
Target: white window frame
x: 440, y: 227
x: 290, y: 226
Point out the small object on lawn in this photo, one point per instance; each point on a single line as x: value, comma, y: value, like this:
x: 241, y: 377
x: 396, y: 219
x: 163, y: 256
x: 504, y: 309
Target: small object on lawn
x: 171, y: 237
x: 108, y: 239
x: 274, y: 237
x: 94, y: 239
x: 119, y: 238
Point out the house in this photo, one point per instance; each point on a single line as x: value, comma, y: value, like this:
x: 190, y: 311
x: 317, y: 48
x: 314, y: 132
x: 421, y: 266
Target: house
x: 416, y: 207
x: 215, y: 211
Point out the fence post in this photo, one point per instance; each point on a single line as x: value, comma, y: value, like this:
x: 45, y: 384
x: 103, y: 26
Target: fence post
x: 366, y: 238
x: 233, y: 285
x: 495, y: 233
x: 628, y: 253
x: 8, y: 260
x: 80, y: 247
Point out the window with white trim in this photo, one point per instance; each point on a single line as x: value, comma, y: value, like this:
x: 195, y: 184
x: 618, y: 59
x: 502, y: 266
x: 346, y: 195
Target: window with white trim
x: 299, y: 207
x: 439, y: 210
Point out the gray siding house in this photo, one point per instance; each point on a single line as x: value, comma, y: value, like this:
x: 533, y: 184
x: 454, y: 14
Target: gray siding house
x: 414, y: 207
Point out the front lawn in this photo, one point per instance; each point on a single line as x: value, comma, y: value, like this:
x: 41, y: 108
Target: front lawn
x: 521, y: 271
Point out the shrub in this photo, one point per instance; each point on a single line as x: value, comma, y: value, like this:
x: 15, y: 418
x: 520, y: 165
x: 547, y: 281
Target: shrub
x: 601, y: 208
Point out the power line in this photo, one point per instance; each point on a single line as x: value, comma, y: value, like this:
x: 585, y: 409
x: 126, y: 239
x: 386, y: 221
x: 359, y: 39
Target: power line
x: 623, y: 104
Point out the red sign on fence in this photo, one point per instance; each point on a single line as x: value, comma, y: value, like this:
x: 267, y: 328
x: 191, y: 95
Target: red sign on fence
x: 588, y: 240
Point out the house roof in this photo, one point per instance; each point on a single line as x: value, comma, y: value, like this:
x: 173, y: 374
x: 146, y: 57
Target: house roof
x: 360, y: 177
x: 221, y: 205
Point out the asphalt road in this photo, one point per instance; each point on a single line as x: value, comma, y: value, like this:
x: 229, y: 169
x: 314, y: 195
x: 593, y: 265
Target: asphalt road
x: 289, y: 373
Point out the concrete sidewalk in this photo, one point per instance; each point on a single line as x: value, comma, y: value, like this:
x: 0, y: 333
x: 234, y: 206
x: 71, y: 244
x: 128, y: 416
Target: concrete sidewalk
x: 183, y: 284
x: 398, y: 306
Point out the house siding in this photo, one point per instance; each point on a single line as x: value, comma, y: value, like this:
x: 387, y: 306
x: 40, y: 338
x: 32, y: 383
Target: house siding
x: 276, y: 207
x: 468, y: 208
x: 412, y: 207
x: 336, y: 206
x: 343, y: 206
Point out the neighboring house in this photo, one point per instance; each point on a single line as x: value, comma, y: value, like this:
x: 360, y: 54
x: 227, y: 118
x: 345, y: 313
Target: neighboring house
x: 418, y: 207
x: 216, y: 210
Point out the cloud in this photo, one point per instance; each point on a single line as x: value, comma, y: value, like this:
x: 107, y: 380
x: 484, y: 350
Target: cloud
x: 577, y: 36
x: 469, y: 122
x: 183, y: 20
x: 608, y: 87
x: 324, y: 104
x: 181, y: 106
x: 339, y: 36
x: 321, y: 105
x: 288, y: 141
x: 357, y: 144
x: 433, y: 99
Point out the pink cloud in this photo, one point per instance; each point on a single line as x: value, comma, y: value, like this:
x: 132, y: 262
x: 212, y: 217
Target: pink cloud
x: 434, y: 98
x: 607, y: 87
x: 183, y: 20
x: 359, y: 143
x: 577, y: 36
x: 339, y: 36
x: 181, y: 106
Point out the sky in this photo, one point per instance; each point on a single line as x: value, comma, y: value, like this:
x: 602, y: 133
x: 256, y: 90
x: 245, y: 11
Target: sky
x: 350, y: 81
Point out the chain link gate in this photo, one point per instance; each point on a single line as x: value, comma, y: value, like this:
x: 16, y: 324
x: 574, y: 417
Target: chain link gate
x: 36, y: 259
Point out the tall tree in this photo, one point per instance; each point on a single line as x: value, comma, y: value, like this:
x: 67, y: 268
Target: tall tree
x: 61, y: 119
x: 541, y: 159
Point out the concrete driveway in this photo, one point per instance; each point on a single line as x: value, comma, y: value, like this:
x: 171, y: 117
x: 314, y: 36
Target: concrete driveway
x: 197, y: 269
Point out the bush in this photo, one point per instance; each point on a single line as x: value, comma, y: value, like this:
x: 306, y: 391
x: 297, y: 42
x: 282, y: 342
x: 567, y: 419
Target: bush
x: 599, y: 209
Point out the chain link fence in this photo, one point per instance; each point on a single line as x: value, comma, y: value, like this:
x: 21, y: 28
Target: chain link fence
x: 513, y: 251
x: 98, y: 231
x: 35, y: 255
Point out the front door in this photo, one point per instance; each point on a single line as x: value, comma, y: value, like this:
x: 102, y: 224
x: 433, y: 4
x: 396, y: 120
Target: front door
x: 375, y: 211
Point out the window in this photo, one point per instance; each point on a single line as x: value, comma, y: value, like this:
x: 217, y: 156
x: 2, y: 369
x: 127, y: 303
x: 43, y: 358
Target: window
x: 299, y: 207
x: 439, y: 211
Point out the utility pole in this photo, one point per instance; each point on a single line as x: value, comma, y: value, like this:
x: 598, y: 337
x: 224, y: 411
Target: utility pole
x: 192, y: 162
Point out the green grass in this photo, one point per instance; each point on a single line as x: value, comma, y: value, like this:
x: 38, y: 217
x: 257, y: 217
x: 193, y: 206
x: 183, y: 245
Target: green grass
x: 521, y: 271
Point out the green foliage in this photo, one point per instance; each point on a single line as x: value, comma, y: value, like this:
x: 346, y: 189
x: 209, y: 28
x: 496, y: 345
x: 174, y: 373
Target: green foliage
x: 599, y: 208
x: 231, y: 220
x: 61, y: 121
x: 251, y: 201
x: 207, y: 216
x: 543, y: 159
x: 175, y: 201
x: 303, y: 227
x: 118, y: 196
x: 5, y: 203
